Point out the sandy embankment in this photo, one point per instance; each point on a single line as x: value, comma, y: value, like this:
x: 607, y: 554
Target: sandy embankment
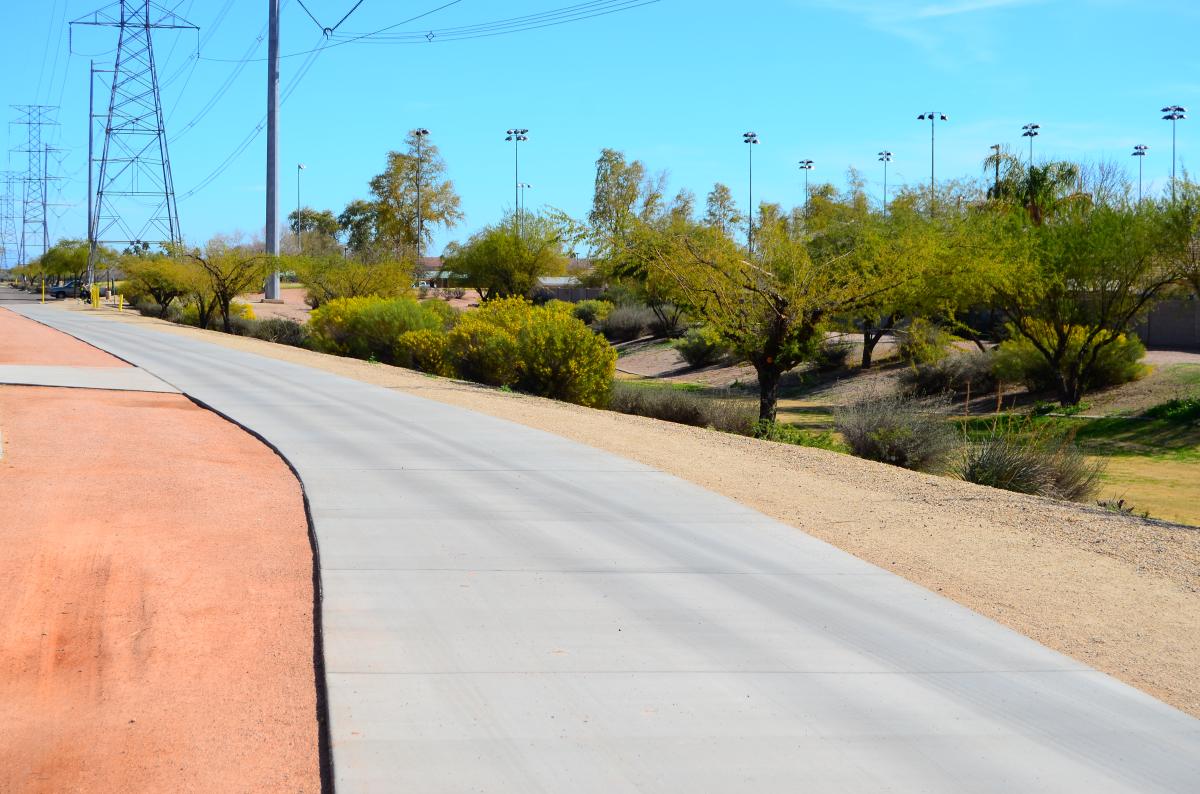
x: 156, y: 628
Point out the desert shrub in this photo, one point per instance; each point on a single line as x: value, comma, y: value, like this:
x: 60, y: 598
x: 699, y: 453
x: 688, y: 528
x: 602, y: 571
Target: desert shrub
x: 454, y: 293
x: 483, y: 352
x: 719, y: 410
x: 899, y: 430
x: 952, y: 374
x: 1117, y: 362
x: 560, y: 357
x: 146, y: 307
x: 701, y: 346
x: 790, y: 434
x: 1036, y: 460
x: 190, y: 313
x: 1181, y: 410
x: 624, y: 323
x: 281, y: 330
x: 667, y: 320
x: 445, y: 311
x: 368, y: 328
x: 426, y: 350
x: 833, y: 354
x: 591, y: 311
x: 924, y: 342
x: 331, y: 277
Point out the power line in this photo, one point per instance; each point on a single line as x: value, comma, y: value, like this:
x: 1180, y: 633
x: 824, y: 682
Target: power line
x: 512, y: 24
x: 327, y: 46
x: 254, y: 133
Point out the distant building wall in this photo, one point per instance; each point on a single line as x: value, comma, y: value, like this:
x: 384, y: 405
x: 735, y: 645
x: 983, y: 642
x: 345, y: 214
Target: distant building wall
x: 1173, y: 323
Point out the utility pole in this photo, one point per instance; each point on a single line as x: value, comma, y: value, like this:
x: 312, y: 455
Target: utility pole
x: 995, y: 147
x: 271, y: 289
x: 91, y: 229
x: 420, y: 134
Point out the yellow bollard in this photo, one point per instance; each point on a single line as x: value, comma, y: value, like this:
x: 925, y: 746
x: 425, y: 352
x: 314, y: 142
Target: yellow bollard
x: 95, y: 296
x: 120, y: 303
x: 43, y: 289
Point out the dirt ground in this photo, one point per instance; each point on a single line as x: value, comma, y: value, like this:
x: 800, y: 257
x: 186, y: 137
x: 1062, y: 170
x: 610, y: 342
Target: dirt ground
x: 156, y: 628
x: 292, y: 308
x: 1119, y: 593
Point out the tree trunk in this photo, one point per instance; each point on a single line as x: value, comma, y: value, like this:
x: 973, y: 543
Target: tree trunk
x: 871, y: 336
x: 226, y: 325
x: 768, y: 391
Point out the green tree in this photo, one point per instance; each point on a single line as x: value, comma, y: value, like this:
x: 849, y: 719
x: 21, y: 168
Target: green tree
x: 395, y: 193
x: 163, y: 278
x: 66, y: 260
x: 770, y: 309
x: 360, y: 223
x: 1083, y: 275
x: 508, y: 260
x: 720, y: 210
x: 227, y: 270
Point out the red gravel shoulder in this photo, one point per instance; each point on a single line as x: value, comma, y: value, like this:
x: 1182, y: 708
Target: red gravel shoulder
x: 155, y: 600
x: 23, y: 341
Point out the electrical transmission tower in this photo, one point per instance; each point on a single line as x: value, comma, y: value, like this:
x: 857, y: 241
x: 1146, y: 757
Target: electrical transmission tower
x: 33, y: 240
x: 134, y: 202
x: 9, y: 245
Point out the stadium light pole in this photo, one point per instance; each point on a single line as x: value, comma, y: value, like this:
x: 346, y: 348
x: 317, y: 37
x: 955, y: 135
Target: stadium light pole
x: 806, y: 166
x: 523, y: 187
x: 516, y: 135
x: 752, y: 139
x: 932, y: 116
x: 299, y: 212
x: 419, y: 134
x: 1030, y: 131
x: 1139, y: 151
x: 885, y: 157
x: 1173, y: 113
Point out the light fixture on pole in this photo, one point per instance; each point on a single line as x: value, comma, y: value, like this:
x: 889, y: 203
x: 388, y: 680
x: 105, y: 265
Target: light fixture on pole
x: 299, y: 212
x: 750, y: 138
x: 1030, y: 131
x: 806, y: 166
x: 1173, y: 113
x: 932, y: 116
x: 516, y: 135
x: 885, y: 157
x: 523, y: 186
x: 1139, y: 151
x: 419, y: 134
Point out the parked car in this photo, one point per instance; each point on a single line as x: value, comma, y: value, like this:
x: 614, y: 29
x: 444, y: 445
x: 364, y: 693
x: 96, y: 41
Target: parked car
x: 68, y: 289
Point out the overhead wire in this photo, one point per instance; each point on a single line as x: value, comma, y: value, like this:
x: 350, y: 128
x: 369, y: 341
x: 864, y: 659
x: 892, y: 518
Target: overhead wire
x: 327, y: 46
x: 292, y: 85
x: 528, y: 21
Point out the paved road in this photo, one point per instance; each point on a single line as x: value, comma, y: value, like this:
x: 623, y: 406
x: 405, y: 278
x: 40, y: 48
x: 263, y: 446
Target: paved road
x: 507, y: 611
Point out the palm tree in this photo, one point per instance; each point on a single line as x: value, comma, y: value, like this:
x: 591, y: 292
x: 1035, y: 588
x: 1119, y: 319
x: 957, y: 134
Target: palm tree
x: 1040, y: 189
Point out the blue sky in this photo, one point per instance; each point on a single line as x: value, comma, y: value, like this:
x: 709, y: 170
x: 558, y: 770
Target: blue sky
x: 673, y: 83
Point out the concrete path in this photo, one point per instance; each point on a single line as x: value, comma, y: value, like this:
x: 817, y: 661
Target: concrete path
x: 119, y: 378
x: 507, y: 611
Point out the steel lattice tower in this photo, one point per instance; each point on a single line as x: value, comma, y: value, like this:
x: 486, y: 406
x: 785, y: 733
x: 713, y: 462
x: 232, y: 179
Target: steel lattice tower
x: 9, y: 239
x: 135, y: 195
x: 33, y: 239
